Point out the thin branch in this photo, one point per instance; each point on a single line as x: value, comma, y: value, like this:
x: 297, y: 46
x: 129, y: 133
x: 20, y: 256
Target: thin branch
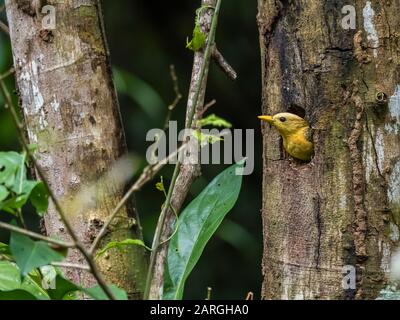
x: 191, y: 112
x: 36, y: 236
x: 70, y: 265
x: 178, y: 95
x: 7, y: 74
x: 4, y: 27
x: 68, y: 226
x: 223, y: 64
x: 206, y: 108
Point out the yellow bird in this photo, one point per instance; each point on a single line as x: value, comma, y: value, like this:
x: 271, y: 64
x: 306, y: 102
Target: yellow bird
x: 296, y: 134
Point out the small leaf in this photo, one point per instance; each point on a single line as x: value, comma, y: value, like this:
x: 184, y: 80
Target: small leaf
x: 40, y: 198
x: 120, y: 244
x: 198, y: 41
x: 9, y: 164
x: 97, y: 293
x: 196, y: 225
x: 204, y: 139
x: 160, y: 185
x: 31, y: 254
x: 215, y: 121
x: 10, y: 278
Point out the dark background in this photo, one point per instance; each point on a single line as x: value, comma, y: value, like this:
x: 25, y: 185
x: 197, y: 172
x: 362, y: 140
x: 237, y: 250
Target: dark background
x: 145, y: 38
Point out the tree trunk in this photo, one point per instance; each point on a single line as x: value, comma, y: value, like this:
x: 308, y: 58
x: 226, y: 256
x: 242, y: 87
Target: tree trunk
x: 342, y: 208
x: 72, y: 115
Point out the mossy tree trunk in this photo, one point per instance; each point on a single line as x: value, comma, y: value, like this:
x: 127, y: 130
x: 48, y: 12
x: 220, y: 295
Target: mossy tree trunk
x: 72, y: 114
x: 342, y: 208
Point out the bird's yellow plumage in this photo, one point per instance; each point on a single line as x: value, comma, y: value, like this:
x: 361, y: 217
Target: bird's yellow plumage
x: 296, y: 134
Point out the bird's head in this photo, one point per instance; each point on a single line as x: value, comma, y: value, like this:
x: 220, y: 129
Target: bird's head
x: 286, y: 123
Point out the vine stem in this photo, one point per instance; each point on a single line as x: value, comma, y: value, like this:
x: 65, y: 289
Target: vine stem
x: 160, y: 224
x: 36, y: 236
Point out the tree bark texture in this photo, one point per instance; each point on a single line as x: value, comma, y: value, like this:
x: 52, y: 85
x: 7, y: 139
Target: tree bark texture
x: 342, y: 208
x: 72, y: 114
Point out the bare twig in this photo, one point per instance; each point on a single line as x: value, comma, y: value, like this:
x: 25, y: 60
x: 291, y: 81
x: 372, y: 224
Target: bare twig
x: 223, y: 64
x: 7, y: 74
x: 206, y: 108
x: 36, y: 236
x: 209, y: 292
x: 250, y: 296
x: 68, y: 226
x: 178, y: 96
x: 70, y: 265
x: 4, y: 27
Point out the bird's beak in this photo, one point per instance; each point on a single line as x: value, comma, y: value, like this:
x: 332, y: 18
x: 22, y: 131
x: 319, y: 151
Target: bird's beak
x: 266, y: 118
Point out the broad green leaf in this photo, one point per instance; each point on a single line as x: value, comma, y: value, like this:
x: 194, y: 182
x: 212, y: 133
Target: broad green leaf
x: 120, y: 245
x: 16, y: 295
x: 197, y: 223
x: 31, y: 286
x: 31, y: 254
x: 65, y: 288
x: 215, y: 121
x: 9, y: 164
x: 97, y: 293
x: 10, y: 278
x: 3, y: 193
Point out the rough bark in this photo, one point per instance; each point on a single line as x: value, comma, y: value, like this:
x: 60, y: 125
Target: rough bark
x: 343, y: 208
x: 72, y: 114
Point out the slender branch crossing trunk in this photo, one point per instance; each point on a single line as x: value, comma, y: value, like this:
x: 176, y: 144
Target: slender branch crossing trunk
x: 343, y: 208
x: 72, y: 114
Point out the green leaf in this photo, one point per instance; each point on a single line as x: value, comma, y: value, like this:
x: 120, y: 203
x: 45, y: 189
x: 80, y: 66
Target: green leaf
x: 204, y: 139
x: 197, y: 223
x: 97, y: 293
x: 9, y: 164
x: 3, y: 193
x: 198, y: 41
x: 31, y: 254
x: 63, y: 289
x: 40, y: 198
x: 34, y: 288
x: 120, y: 244
x: 10, y: 278
x: 4, y: 249
x: 160, y: 185
x: 16, y: 295
x: 215, y: 121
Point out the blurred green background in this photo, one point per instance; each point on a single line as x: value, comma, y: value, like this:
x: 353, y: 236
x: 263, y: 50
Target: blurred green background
x: 145, y: 38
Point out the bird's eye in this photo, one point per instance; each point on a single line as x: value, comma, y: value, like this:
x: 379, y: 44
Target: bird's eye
x: 282, y: 119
